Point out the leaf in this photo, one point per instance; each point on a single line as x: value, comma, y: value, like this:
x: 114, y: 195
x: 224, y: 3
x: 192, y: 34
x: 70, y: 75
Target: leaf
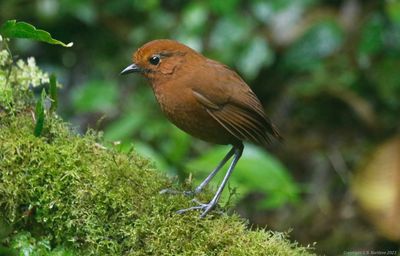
x: 14, y: 29
x: 53, y: 93
x: 39, y: 114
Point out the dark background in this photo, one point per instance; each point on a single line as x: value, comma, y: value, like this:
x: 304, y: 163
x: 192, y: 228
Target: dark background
x: 327, y: 73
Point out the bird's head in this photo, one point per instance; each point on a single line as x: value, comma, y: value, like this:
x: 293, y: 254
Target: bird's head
x: 160, y: 58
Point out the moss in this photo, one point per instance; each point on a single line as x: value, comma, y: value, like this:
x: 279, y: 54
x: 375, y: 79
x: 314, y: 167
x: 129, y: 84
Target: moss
x: 73, y: 192
x: 65, y: 194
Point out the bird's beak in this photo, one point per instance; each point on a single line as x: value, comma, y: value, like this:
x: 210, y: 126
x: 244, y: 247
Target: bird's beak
x: 133, y: 68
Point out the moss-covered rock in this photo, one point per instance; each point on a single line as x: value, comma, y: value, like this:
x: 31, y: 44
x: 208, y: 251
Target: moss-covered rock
x: 71, y: 192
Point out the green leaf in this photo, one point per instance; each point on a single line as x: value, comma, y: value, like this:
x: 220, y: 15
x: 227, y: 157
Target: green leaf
x: 39, y: 114
x: 53, y: 93
x: 14, y: 29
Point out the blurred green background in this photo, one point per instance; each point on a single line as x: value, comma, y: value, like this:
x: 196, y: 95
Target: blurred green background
x: 327, y: 73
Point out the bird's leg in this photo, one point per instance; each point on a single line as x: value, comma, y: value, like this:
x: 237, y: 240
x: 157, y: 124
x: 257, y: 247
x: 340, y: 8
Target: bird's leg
x: 237, y: 151
x: 213, y: 173
x: 205, y: 181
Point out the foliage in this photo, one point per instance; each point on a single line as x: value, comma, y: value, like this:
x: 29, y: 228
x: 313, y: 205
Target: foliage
x: 14, y: 29
x: 15, y: 80
x: 24, y: 244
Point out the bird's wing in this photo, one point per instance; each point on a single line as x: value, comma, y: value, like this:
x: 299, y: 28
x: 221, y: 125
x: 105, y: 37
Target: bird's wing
x: 237, y: 109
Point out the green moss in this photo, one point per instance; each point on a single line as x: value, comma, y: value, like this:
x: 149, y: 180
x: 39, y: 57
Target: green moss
x: 65, y: 194
x: 72, y: 192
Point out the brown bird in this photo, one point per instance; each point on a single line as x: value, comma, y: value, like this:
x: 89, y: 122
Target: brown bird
x: 205, y: 99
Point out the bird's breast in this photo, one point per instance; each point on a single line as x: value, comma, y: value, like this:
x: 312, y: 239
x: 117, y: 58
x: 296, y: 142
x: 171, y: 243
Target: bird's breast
x: 182, y: 109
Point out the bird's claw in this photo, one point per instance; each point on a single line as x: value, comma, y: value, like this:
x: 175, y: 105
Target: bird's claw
x: 205, y: 208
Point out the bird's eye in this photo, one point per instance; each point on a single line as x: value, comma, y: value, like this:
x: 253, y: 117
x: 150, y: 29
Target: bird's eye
x: 154, y: 60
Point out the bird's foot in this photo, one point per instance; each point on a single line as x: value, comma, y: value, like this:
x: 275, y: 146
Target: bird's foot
x: 205, y: 208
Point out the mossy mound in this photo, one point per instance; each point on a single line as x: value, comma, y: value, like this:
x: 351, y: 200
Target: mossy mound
x: 73, y: 193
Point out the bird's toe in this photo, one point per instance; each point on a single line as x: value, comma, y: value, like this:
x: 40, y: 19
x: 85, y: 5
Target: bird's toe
x: 205, y: 208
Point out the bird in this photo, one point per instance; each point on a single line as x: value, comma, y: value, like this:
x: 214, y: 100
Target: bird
x: 207, y: 100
